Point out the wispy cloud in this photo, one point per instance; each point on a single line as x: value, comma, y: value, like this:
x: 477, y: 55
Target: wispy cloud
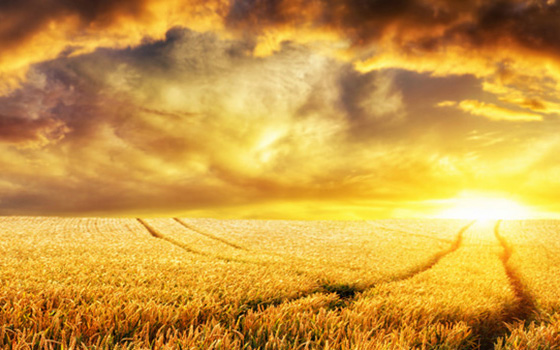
x: 494, y: 112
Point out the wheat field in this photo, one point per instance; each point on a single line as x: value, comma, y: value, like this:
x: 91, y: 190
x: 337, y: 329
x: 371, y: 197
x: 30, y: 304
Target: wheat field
x: 108, y: 283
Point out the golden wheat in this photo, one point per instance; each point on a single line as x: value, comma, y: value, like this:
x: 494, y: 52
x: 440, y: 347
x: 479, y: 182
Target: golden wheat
x: 536, y: 258
x: 243, y: 284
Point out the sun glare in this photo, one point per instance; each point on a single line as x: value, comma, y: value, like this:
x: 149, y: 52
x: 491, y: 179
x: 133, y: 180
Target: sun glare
x: 485, y: 208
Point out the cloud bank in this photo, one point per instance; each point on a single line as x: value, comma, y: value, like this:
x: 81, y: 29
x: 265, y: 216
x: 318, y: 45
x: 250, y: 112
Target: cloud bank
x: 202, y: 107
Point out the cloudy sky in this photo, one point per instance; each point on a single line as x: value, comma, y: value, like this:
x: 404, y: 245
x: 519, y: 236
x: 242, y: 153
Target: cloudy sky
x: 277, y: 108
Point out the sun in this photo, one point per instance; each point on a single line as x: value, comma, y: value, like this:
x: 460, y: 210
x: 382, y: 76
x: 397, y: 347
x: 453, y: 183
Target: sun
x: 485, y: 207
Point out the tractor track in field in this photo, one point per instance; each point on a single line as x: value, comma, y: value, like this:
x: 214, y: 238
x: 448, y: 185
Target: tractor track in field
x: 487, y: 331
x: 341, y: 290
x: 156, y: 234
x: 209, y: 235
x: 524, y: 307
x: 456, y: 244
x: 345, y: 292
x: 331, y: 287
x: 526, y: 304
x: 239, y: 247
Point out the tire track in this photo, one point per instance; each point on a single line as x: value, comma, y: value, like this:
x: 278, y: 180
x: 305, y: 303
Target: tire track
x: 525, y: 302
x: 523, y: 307
x: 330, y: 286
x: 345, y: 292
x: 437, y: 257
x: 209, y: 235
x: 155, y: 233
x: 274, y: 254
x: 266, y: 252
x: 250, y: 304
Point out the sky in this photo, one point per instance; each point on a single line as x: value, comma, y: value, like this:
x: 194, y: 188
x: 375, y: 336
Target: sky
x: 296, y: 109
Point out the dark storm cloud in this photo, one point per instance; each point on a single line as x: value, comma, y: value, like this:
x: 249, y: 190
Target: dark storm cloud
x: 361, y: 20
x: 509, y: 42
x: 419, y: 35
x: 533, y: 24
x: 20, y: 19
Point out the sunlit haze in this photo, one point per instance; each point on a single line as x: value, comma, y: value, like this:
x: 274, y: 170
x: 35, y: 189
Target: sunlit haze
x: 480, y: 207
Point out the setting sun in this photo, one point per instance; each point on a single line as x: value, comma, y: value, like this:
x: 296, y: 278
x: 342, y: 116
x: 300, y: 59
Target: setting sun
x: 481, y: 207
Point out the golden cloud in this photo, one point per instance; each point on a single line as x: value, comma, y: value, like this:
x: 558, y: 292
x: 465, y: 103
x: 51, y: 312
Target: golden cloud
x: 33, y: 31
x: 443, y: 37
x: 211, y: 126
x: 494, y: 112
x: 270, y: 102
